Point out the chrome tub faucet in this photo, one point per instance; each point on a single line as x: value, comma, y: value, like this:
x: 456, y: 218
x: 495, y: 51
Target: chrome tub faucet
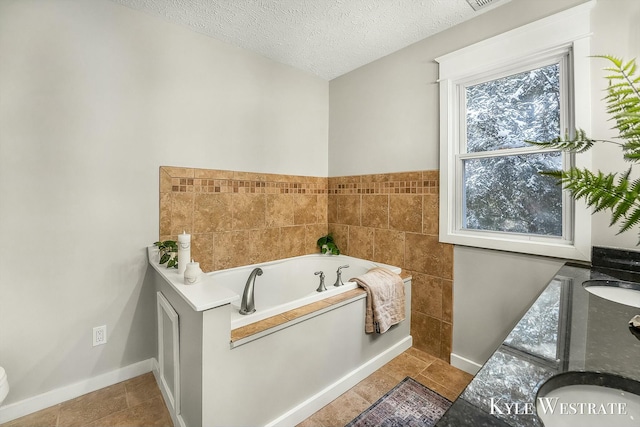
x: 248, y: 305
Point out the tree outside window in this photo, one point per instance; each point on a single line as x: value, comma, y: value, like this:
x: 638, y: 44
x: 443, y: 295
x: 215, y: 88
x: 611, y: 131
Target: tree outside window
x: 502, y: 187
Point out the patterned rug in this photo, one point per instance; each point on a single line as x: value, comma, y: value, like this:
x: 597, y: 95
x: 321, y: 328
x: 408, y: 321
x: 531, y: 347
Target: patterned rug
x: 409, y: 404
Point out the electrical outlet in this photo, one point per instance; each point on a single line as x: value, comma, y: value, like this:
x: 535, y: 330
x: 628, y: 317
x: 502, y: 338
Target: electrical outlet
x: 99, y: 335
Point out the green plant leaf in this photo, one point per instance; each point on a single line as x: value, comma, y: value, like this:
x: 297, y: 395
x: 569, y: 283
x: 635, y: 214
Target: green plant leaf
x: 612, y: 192
x: 332, y: 248
x: 327, y: 245
x: 605, y: 192
x: 164, y: 258
x: 578, y: 144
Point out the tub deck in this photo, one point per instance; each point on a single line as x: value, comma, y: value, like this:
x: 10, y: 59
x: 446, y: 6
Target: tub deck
x: 273, y: 323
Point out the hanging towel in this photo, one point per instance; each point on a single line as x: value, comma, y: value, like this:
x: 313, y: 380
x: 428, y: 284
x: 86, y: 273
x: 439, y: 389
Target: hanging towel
x: 385, y: 299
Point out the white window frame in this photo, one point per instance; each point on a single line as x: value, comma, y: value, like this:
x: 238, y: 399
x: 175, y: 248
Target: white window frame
x: 525, y: 47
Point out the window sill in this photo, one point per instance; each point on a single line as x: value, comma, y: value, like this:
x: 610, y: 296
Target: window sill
x: 532, y: 246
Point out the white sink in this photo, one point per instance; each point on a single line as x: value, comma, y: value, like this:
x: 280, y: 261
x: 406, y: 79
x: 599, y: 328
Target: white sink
x: 619, y: 291
x: 589, y: 399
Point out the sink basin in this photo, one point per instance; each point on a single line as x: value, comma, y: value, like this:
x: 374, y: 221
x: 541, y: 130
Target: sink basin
x: 619, y: 291
x: 589, y: 399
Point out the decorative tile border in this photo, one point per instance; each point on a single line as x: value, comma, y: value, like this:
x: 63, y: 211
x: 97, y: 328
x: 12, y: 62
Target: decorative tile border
x: 422, y: 182
x: 186, y: 180
x: 196, y: 185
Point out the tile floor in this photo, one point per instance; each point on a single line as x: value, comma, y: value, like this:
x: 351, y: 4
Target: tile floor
x: 138, y: 401
x: 426, y: 369
x: 135, y: 402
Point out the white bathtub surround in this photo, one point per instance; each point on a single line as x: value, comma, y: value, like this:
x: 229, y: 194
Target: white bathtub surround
x: 261, y: 328
x: 282, y: 377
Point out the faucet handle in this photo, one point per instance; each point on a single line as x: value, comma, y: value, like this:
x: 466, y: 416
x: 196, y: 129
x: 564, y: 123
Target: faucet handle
x: 321, y: 287
x: 339, y: 275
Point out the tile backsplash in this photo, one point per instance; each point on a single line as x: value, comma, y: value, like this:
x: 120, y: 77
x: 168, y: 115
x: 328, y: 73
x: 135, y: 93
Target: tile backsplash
x: 239, y: 218
x: 393, y: 218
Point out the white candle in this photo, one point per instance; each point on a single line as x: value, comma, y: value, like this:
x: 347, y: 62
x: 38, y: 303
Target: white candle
x: 184, y: 251
x: 192, y: 273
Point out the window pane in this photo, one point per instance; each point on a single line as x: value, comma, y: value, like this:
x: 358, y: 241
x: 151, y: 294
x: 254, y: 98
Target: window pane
x: 503, y: 113
x: 508, y: 194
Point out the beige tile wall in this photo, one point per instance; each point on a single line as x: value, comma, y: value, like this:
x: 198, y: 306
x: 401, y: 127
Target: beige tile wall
x: 240, y: 218
x: 393, y: 218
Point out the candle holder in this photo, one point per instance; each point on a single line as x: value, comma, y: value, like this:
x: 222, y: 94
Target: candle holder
x: 192, y: 273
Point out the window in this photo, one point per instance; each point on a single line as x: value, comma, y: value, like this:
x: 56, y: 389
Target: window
x: 495, y: 96
x: 502, y: 189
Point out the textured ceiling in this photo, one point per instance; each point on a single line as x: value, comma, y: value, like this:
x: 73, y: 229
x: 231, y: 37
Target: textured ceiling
x: 325, y: 37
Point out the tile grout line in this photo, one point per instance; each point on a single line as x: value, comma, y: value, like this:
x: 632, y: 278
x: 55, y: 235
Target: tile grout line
x: 110, y: 414
x: 446, y: 387
x: 424, y: 374
x: 126, y: 395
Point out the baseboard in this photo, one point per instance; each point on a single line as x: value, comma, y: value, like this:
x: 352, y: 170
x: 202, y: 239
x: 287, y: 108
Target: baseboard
x: 36, y: 403
x: 465, y: 364
x: 330, y: 393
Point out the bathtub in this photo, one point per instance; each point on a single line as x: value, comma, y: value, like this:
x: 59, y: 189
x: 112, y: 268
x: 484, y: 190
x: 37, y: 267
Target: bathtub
x: 290, y: 283
x: 278, y: 378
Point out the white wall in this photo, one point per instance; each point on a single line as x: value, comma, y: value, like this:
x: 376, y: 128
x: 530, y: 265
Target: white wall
x: 386, y: 113
x: 491, y: 292
x: 94, y: 97
x: 617, y: 33
x: 381, y: 115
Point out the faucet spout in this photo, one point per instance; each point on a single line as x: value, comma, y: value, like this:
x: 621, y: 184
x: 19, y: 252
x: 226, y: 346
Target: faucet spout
x: 248, y: 305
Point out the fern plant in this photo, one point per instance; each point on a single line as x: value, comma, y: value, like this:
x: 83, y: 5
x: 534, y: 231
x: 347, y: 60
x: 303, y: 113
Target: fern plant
x: 615, y: 192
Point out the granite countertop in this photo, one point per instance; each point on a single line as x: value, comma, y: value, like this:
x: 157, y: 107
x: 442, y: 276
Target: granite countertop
x: 566, y: 329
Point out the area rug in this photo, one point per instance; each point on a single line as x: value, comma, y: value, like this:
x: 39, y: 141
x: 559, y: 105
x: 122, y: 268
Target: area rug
x: 409, y: 404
